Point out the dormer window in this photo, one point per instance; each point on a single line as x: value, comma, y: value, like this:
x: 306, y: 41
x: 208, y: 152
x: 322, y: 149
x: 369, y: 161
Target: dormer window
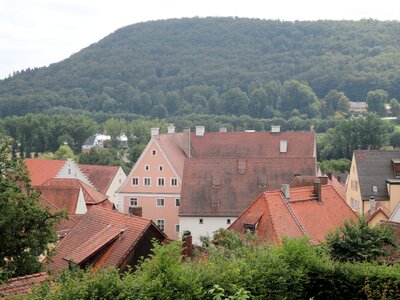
x: 241, y: 165
x: 396, y: 167
x: 251, y: 228
x: 262, y: 181
x: 216, y: 181
x: 283, y: 146
x: 375, y: 189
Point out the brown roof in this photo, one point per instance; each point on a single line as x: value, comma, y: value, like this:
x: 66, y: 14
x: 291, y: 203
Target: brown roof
x: 172, y: 146
x: 22, y: 285
x: 252, y: 144
x: 215, y: 187
x: 100, y: 176
x: 41, y: 170
x: 104, y: 229
x: 301, y: 215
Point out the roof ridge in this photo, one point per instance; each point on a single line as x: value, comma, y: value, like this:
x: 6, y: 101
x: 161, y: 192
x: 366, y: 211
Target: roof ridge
x: 272, y: 220
x: 303, y: 230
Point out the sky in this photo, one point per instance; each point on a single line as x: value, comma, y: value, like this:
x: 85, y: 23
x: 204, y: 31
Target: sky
x: 36, y: 33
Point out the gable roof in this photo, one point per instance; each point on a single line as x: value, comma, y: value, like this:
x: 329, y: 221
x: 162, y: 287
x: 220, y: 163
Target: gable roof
x: 22, y: 285
x: 101, y: 229
x: 373, y: 168
x: 100, y: 176
x: 301, y: 215
x: 41, y: 170
x: 235, y: 191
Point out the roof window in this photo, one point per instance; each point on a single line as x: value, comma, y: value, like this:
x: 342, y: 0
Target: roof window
x: 283, y: 146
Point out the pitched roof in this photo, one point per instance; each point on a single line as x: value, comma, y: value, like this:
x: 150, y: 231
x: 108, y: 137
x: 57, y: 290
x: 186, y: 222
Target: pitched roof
x: 218, y: 187
x: 252, y: 144
x: 373, y: 168
x: 22, y: 285
x: 100, y: 176
x: 172, y: 146
x: 301, y: 216
x: 99, y: 228
x: 41, y: 170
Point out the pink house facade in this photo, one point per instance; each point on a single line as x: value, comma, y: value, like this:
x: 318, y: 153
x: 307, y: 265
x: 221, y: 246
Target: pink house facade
x: 154, y: 184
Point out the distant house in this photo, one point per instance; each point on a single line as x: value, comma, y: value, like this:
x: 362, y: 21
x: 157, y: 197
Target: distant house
x: 309, y: 211
x: 22, y: 285
x: 105, y: 179
x: 154, y: 184
x: 104, y: 238
x: 358, y: 107
x: 98, y: 140
x: 373, y: 187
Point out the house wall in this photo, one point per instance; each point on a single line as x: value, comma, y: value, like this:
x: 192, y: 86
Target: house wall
x: 71, y: 170
x: 394, y: 194
x: 377, y: 218
x: 353, y: 194
x: 148, y: 166
x: 114, y: 186
x: 81, y: 208
x: 210, y: 224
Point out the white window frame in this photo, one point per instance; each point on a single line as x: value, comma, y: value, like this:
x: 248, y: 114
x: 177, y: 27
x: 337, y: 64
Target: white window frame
x: 158, y: 223
x: 146, y: 167
x: 160, y: 204
x: 133, y: 199
x: 135, y: 179
x: 154, y: 152
x: 144, y: 181
x: 172, y: 181
x: 177, y: 202
x: 158, y: 181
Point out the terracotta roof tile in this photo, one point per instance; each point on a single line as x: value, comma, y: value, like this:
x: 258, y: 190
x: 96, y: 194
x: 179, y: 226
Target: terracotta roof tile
x: 41, y: 170
x: 100, y: 176
x: 301, y: 216
x: 22, y: 285
x: 97, y: 220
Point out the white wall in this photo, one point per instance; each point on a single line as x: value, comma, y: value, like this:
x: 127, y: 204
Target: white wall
x: 81, y: 208
x: 71, y: 170
x: 114, y: 186
x: 210, y: 224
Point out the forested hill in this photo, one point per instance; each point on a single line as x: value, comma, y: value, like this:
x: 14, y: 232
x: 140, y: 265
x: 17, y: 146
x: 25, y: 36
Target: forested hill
x: 199, y: 64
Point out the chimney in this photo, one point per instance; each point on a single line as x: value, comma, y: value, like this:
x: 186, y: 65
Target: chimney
x: 275, y: 128
x: 318, y: 189
x: 223, y: 129
x: 329, y: 174
x: 135, y: 211
x: 285, y: 188
x: 171, y: 128
x: 154, y: 131
x: 323, y: 179
x: 200, y: 130
x: 372, y: 204
x: 186, y: 141
x: 187, y: 245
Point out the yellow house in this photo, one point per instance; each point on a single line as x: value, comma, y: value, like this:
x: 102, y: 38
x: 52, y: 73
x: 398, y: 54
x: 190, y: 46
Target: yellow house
x: 373, y: 186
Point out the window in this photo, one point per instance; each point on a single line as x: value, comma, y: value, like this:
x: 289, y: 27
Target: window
x: 146, y: 167
x: 355, y: 204
x: 374, y: 188
x: 160, y: 167
x: 160, y: 181
x: 201, y: 221
x: 283, y: 146
x: 177, y: 202
x: 160, y: 202
x: 228, y: 221
x: 135, y: 181
x: 153, y: 152
x: 147, y: 181
x: 69, y: 171
x: 161, y: 224
x: 174, y: 182
x: 133, y: 202
x: 177, y: 227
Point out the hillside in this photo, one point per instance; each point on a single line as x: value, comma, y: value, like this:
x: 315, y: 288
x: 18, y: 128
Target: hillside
x: 184, y: 65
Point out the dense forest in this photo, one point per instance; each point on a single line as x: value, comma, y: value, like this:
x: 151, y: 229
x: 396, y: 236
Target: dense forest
x: 228, y: 66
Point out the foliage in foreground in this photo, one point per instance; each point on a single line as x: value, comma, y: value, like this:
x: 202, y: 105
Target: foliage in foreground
x: 295, y: 270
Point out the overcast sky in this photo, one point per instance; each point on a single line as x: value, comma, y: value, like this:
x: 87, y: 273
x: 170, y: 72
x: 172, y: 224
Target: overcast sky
x: 35, y: 33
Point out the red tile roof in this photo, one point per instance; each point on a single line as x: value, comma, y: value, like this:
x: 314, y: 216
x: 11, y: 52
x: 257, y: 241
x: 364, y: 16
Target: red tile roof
x: 201, y: 196
x: 100, y: 176
x: 301, y: 216
x: 22, y: 285
x: 41, y: 170
x: 99, y: 228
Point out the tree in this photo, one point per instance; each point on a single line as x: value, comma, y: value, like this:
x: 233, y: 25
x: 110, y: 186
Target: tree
x: 395, y: 107
x: 334, y: 102
x: 336, y: 165
x: 298, y: 95
x: 64, y: 152
x: 376, y: 101
x: 235, y: 101
x: 115, y: 128
x: 359, y: 242
x: 26, y: 229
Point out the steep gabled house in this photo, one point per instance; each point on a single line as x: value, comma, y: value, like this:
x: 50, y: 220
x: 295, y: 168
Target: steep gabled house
x: 105, y: 238
x: 373, y: 187
x: 153, y: 187
x: 228, y: 170
x: 23, y: 285
x: 309, y: 211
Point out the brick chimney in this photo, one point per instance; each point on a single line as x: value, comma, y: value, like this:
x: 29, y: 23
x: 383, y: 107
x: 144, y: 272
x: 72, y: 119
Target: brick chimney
x: 200, y: 130
x: 154, y: 131
x: 171, y: 128
x: 372, y: 204
x: 285, y: 188
x: 135, y: 211
x: 187, y: 245
x: 318, y: 189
